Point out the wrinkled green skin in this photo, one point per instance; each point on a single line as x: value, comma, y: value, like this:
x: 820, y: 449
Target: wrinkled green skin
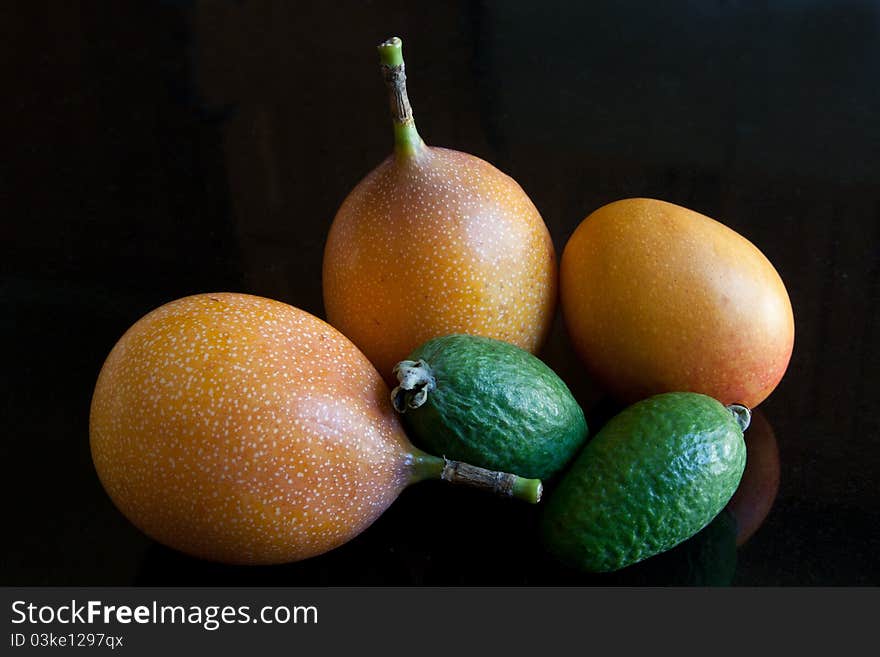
x: 706, y: 559
x: 654, y: 476
x: 496, y: 406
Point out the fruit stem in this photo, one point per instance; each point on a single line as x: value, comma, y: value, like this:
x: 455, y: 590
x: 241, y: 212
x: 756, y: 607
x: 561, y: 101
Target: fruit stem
x: 407, y: 142
x: 505, y: 484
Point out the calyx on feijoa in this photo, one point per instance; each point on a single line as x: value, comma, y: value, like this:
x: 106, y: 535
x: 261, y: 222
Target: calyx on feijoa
x: 491, y: 402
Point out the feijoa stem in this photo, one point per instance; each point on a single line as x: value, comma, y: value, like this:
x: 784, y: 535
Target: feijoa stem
x: 407, y: 142
x: 505, y: 484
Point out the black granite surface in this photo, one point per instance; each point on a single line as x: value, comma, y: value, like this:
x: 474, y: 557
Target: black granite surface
x: 158, y: 149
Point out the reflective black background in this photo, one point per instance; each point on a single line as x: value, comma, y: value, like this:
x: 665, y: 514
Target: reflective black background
x: 158, y: 149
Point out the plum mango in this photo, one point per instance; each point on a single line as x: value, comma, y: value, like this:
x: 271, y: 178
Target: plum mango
x: 659, y: 298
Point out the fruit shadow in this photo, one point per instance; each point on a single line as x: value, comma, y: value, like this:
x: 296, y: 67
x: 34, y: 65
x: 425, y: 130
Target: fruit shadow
x: 433, y: 535
x: 708, y: 559
x: 439, y: 535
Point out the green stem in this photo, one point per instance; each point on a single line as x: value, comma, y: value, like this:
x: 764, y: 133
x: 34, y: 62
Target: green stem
x: 427, y: 466
x: 407, y: 142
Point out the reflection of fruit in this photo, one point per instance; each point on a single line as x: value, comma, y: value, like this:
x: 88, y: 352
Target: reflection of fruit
x: 706, y: 559
x: 434, y: 242
x: 243, y: 430
x: 653, y: 476
x: 752, y: 501
x: 659, y: 298
x: 489, y: 403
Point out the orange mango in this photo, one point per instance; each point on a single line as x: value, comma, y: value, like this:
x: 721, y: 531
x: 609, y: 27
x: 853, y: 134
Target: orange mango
x: 659, y: 298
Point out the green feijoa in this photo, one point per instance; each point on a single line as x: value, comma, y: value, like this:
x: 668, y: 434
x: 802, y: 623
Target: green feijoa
x: 652, y: 477
x: 488, y: 403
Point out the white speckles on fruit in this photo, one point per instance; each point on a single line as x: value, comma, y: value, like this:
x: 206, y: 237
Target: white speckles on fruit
x: 244, y: 430
x: 437, y: 244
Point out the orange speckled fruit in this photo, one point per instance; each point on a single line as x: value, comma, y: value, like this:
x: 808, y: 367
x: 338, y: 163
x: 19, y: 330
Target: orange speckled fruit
x: 434, y: 242
x: 659, y: 298
x: 243, y: 430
